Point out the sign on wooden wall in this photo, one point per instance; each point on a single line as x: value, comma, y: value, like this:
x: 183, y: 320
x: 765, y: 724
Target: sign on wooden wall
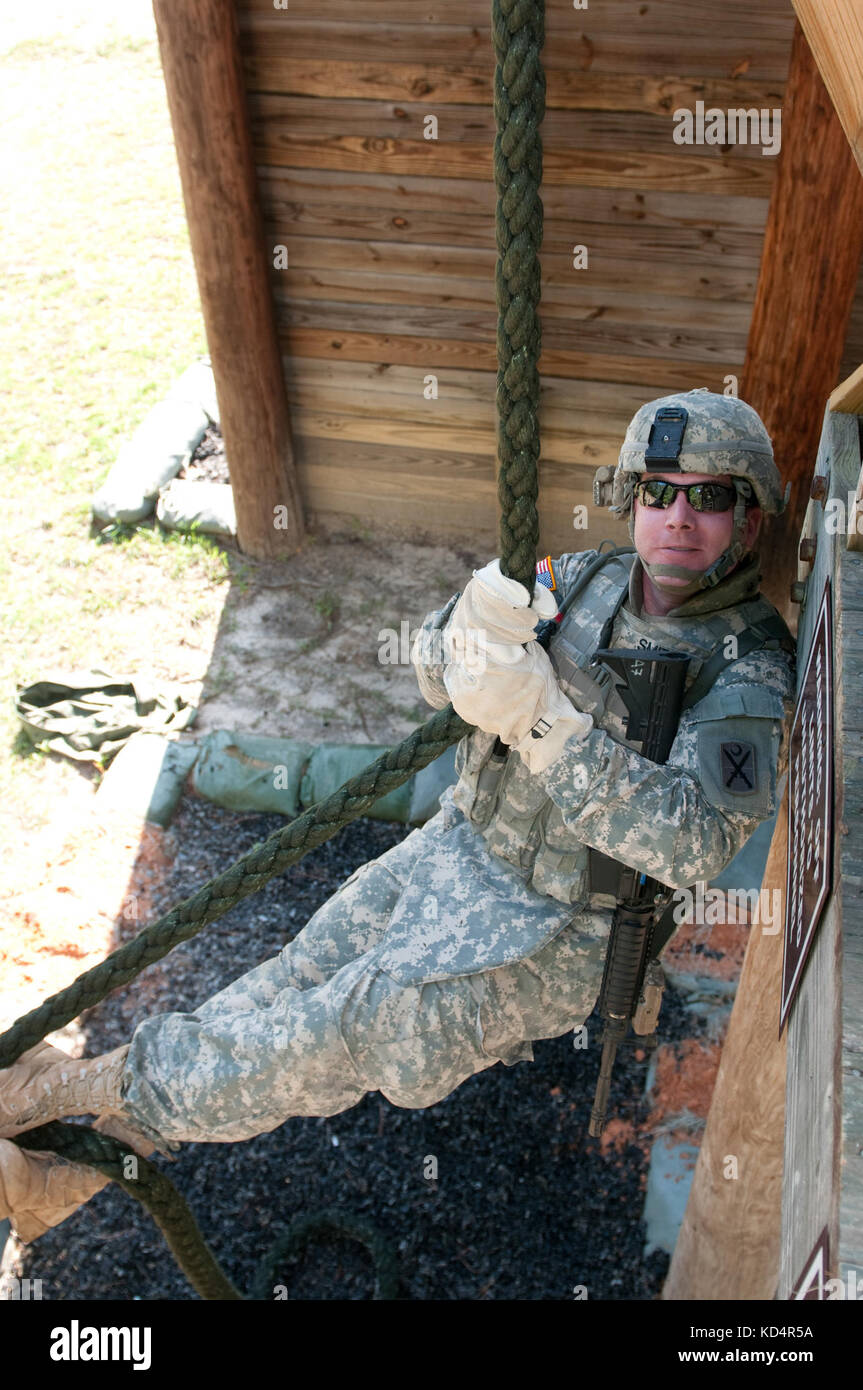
x: 810, y: 806
x: 812, y: 1284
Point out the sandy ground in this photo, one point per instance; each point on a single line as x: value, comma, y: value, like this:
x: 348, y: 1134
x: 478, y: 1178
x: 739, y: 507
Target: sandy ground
x: 83, y: 21
x: 278, y: 666
x: 319, y: 647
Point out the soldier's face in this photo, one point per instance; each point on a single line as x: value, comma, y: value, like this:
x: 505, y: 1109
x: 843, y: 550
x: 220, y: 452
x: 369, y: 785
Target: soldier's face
x: 678, y: 535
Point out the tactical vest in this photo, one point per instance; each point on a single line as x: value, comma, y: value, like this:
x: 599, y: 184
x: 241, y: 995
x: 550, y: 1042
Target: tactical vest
x: 508, y: 806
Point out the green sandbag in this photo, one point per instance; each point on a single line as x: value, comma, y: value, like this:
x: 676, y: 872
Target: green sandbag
x: 185, y: 504
x: 147, y: 777
x: 249, y: 772
x: 427, y: 785
x: 164, y: 440
x: 332, y: 764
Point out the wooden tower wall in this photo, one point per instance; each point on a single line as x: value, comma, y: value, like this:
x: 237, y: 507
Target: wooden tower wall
x: 391, y: 244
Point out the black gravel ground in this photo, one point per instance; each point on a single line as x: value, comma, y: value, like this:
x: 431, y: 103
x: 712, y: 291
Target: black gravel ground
x: 525, y: 1205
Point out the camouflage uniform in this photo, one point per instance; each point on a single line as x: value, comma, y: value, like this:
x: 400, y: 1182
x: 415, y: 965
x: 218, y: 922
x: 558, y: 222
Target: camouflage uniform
x: 478, y: 933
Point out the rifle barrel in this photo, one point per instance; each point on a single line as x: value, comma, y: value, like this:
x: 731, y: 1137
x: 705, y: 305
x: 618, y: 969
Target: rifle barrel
x: 613, y: 1033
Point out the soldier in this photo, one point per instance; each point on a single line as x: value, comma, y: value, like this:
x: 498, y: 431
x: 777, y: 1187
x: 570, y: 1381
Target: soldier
x: 486, y: 929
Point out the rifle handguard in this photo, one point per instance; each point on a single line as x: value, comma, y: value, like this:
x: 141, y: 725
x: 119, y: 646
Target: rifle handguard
x: 651, y: 686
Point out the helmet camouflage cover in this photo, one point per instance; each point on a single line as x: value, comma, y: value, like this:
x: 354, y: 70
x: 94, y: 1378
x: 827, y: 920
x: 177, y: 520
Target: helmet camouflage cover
x: 720, y: 435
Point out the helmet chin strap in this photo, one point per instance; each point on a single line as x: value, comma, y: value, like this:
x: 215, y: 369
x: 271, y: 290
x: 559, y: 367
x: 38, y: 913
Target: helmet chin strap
x: 706, y: 578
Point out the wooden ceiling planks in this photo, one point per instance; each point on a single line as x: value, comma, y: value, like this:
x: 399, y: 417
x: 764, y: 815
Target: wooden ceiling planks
x: 375, y: 119
x: 567, y: 89
x: 703, y: 51
x: 391, y: 241
x: 573, y: 168
x: 668, y: 17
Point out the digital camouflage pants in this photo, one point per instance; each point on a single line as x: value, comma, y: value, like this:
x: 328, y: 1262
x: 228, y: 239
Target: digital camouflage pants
x: 348, y: 1006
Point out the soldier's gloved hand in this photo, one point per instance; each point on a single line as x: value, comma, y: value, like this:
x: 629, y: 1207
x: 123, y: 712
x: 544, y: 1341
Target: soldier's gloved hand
x: 493, y: 616
x: 520, y: 701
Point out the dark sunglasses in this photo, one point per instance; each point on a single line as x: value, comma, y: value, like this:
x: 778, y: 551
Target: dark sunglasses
x: 702, y: 497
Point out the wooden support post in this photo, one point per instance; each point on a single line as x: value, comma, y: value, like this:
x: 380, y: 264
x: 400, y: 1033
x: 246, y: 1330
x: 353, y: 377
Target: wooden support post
x: 729, y: 1243
x: 809, y: 266
x: 198, y: 40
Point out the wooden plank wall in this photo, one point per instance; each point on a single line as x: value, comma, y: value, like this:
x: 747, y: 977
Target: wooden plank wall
x: 823, y: 1168
x: 391, y: 245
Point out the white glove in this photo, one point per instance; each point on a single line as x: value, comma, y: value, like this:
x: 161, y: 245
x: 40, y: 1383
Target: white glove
x: 520, y: 701
x: 493, y: 618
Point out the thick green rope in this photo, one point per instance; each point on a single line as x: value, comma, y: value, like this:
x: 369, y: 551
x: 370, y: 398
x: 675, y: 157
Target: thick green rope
x: 151, y: 1188
x: 244, y: 878
x: 174, y: 1219
x: 331, y: 1226
x: 519, y: 103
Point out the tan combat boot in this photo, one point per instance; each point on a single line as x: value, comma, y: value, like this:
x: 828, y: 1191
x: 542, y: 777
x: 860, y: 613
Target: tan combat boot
x: 45, y: 1084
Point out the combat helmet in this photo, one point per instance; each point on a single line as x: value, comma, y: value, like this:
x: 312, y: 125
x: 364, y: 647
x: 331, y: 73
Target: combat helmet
x: 696, y: 432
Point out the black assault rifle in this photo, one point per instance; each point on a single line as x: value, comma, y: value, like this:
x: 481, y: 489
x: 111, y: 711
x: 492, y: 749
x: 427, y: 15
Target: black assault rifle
x: 650, y: 684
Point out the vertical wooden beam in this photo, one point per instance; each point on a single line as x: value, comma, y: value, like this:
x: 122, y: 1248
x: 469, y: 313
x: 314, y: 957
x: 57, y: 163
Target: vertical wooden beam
x: 729, y: 1243
x: 198, y: 40
x: 834, y: 33
x: 809, y: 266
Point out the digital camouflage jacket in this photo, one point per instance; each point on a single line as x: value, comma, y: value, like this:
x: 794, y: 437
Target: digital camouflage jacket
x: 680, y: 822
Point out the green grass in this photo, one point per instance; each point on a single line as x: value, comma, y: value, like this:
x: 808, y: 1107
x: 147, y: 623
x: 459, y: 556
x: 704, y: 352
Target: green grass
x: 327, y: 607
x: 59, y: 47
x: 99, y: 314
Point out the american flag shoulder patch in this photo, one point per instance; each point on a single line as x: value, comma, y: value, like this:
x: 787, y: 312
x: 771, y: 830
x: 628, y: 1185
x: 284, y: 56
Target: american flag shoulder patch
x: 545, y: 573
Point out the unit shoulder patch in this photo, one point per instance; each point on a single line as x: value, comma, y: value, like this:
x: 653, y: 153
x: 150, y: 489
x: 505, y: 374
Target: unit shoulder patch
x: 739, y: 768
x: 737, y: 759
